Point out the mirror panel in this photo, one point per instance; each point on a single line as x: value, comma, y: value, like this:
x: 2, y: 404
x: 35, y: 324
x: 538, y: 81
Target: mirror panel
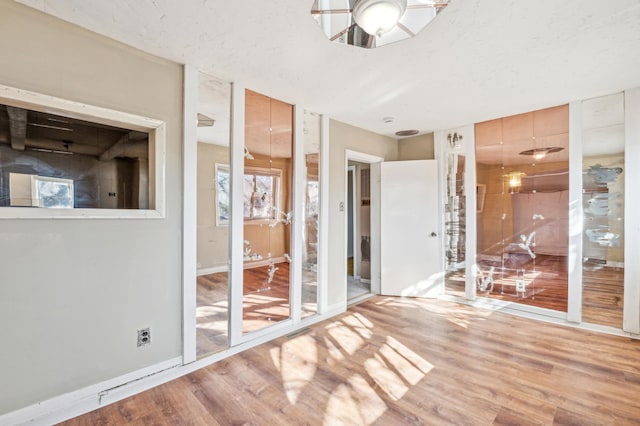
x: 311, y: 222
x: 603, y: 206
x: 522, y: 220
x: 268, y: 174
x: 455, y: 223
x: 213, y: 215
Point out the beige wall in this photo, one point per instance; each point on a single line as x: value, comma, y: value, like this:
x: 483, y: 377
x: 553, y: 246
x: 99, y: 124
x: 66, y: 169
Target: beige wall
x: 74, y: 292
x: 213, y: 240
x: 416, y: 148
x: 342, y: 137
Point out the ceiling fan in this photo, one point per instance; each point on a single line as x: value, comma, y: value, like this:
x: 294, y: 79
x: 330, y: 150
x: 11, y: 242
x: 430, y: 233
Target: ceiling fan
x: 374, y: 23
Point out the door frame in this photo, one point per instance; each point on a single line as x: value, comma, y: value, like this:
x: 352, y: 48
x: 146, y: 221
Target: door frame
x: 374, y: 164
x: 354, y: 218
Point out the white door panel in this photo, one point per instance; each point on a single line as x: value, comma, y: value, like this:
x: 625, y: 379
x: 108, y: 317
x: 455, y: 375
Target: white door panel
x: 410, y: 244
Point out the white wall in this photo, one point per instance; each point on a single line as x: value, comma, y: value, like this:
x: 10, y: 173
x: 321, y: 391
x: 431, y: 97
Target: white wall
x: 342, y: 137
x: 74, y: 292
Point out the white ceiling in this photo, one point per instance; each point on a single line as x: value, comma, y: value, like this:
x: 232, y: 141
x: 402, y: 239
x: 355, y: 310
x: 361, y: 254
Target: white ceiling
x: 478, y: 60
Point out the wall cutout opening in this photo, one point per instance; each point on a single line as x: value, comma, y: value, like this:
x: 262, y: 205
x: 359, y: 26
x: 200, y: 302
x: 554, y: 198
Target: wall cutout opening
x: 64, y: 159
x: 52, y: 161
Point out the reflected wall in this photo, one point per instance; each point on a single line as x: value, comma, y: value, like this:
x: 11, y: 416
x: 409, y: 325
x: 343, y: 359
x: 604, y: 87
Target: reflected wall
x: 311, y: 219
x: 213, y: 214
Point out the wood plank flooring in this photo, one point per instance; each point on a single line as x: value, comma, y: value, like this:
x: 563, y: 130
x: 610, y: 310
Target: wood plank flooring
x: 400, y: 361
x: 547, y: 287
x: 264, y: 303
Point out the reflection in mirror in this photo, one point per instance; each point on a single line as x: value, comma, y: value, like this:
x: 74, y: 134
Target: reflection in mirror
x: 310, y: 233
x: 603, y: 206
x: 213, y: 213
x: 268, y: 207
x: 455, y: 224
x: 522, y: 164
x: 53, y: 161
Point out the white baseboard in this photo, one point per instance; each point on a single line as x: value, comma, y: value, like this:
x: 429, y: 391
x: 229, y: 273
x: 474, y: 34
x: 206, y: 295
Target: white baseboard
x: 615, y: 264
x: 539, y: 314
x: 76, y: 403
x: 335, y: 309
x: 263, y: 262
x: 80, y: 401
x: 212, y: 270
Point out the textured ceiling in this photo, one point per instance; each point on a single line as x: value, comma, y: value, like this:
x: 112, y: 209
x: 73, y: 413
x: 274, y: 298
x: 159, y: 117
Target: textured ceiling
x: 478, y: 60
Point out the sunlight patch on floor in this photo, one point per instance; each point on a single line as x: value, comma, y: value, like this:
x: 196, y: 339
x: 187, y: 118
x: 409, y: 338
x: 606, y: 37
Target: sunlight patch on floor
x: 354, y: 403
x: 348, y: 339
x: 334, y: 352
x: 299, y: 361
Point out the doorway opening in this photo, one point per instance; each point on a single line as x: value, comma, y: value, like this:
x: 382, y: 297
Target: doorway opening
x: 358, y: 231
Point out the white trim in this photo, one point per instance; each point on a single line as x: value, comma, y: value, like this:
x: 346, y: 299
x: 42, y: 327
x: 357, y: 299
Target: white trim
x: 471, y: 232
x: 189, y: 213
x: 323, y: 238
x: 354, y: 217
x: 538, y: 314
x: 262, y: 262
x: 374, y: 162
x: 374, y: 211
x: 54, y: 105
x: 574, y: 295
x: 297, y: 224
x: 359, y: 299
x: 237, y: 214
x: 440, y: 154
x: 631, y: 313
x: 75, y: 403
x: 212, y: 270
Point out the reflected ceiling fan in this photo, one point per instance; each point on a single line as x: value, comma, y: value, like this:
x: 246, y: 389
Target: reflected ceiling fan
x: 374, y: 23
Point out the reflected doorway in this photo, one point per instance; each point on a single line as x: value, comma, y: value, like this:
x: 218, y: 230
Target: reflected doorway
x: 358, y: 231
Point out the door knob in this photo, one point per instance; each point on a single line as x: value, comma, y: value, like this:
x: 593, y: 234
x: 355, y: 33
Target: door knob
x: 433, y: 234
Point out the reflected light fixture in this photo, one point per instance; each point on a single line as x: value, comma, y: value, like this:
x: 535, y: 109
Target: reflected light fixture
x: 376, y: 17
x: 540, y: 153
x: 515, y: 180
x: 205, y: 121
x: 374, y: 23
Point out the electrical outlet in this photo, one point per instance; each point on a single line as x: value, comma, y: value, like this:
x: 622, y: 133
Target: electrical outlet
x: 144, y: 336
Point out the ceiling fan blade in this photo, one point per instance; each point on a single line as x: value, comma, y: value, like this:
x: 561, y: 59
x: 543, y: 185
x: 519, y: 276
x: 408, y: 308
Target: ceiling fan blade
x: 427, y: 6
x: 341, y: 33
x: 329, y: 11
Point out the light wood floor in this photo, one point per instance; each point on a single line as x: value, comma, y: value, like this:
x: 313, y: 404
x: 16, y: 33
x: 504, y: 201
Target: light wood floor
x: 263, y: 304
x: 547, y: 287
x: 396, y: 361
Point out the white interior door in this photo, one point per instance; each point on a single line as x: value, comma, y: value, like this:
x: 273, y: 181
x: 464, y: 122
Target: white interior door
x: 409, y: 229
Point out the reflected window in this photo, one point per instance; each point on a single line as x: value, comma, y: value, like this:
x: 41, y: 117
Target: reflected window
x: 261, y: 189
x: 223, y: 195
x: 53, y: 193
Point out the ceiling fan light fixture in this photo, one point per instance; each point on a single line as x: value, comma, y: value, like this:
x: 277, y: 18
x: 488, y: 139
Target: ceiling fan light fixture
x: 377, y: 17
x: 540, y: 153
